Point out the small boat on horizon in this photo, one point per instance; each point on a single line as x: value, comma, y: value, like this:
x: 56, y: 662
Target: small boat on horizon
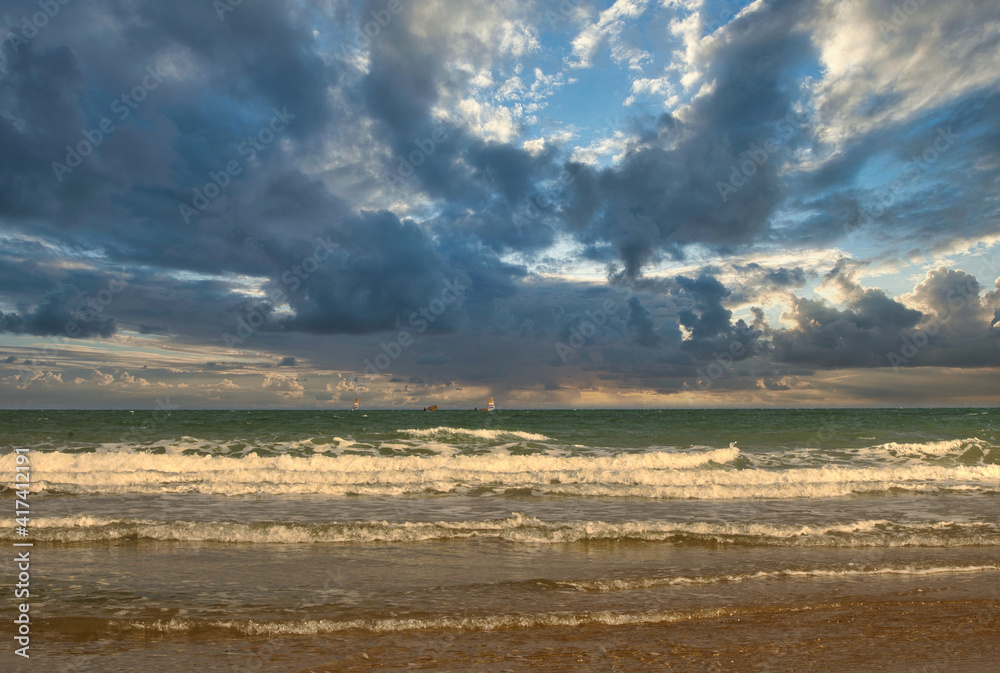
x: 489, y: 406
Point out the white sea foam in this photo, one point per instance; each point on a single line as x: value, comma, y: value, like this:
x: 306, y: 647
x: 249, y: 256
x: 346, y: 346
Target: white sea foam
x: 654, y: 475
x: 442, y: 441
x: 922, y: 449
x: 447, y: 441
x: 481, y: 623
x: 518, y: 529
x: 634, y: 584
x: 480, y: 433
x: 944, y: 452
x: 527, y: 620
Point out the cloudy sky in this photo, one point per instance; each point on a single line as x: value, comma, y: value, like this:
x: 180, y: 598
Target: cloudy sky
x: 637, y: 203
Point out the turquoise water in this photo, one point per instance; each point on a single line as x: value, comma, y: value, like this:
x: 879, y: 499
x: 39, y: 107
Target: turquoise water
x: 751, y: 429
x: 388, y: 540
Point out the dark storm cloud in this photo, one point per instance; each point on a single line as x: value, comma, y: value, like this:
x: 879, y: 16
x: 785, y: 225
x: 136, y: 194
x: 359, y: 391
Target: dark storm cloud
x: 39, y: 112
x: 437, y: 358
x: 959, y: 325
x: 331, y: 263
x: 492, y: 180
x: 909, y: 201
x: 828, y: 337
x: 666, y: 193
x: 953, y: 329
x: 138, y: 298
x: 207, y: 86
x: 382, y: 267
x: 778, y: 278
x: 61, y: 313
x: 860, y: 335
x: 385, y: 273
x: 707, y: 317
x: 268, y: 218
x: 640, y: 324
x: 637, y: 331
x: 699, y: 305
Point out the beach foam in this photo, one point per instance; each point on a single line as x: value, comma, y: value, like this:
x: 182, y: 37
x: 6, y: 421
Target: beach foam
x: 479, y: 433
x: 515, y: 620
x: 634, y: 584
x: 518, y: 529
x: 480, y: 623
x: 651, y: 475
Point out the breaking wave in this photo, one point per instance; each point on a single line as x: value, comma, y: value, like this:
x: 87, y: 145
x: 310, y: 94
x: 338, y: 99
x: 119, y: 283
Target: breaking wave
x: 519, y: 529
x: 695, y: 473
x: 479, y: 433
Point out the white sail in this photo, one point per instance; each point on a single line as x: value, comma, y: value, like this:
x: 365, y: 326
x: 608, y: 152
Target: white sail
x: 490, y: 406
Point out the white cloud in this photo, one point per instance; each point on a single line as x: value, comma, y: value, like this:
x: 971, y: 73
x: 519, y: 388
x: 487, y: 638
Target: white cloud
x: 537, y: 145
x: 613, y: 147
x: 351, y: 385
x: 26, y: 379
x: 609, y: 27
x: 100, y: 378
x: 477, y: 41
x: 124, y: 381
x: 224, y: 384
x: 876, y: 74
x: 490, y: 122
x: 655, y: 86
x: 287, y: 387
x: 128, y: 381
x: 512, y: 89
x: 542, y: 87
x: 700, y: 34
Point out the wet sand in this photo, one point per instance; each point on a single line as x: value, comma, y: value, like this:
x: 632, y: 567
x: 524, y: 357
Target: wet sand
x: 901, y: 634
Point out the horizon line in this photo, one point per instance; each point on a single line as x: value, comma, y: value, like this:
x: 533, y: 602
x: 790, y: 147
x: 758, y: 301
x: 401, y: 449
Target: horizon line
x: 348, y: 409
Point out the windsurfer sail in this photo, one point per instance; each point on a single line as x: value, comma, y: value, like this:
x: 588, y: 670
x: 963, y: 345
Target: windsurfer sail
x: 490, y: 406
x: 355, y: 406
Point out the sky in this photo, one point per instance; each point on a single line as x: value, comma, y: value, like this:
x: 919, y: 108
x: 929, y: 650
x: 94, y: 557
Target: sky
x: 638, y: 203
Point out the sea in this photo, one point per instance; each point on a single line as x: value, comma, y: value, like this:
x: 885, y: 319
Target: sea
x: 518, y: 540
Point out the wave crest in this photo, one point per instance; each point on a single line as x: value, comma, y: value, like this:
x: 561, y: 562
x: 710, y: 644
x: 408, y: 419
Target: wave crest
x: 480, y: 433
x: 521, y: 529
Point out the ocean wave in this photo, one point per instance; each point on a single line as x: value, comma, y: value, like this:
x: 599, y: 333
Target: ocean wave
x: 394, y: 625
x: 443, y: 441
x: 449, y: 442
x: 695, y: 474
x: 480, y: 433
x: 639, y: 583
x: 923, y: 450
x: 501, y: 621
x: 968, y: 451
x: 149, y: 473
x: 517, y: 529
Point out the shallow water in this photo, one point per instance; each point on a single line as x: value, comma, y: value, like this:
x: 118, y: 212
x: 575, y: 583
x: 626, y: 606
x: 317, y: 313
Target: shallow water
x: 591, y: 540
